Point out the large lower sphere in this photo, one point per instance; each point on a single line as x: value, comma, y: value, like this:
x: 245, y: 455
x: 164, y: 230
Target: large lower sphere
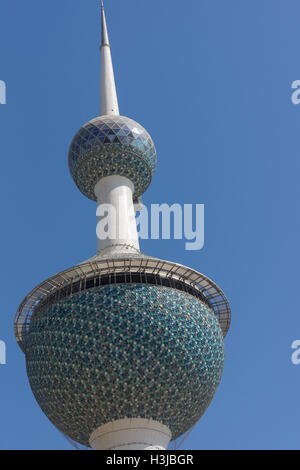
x: 124, y: 351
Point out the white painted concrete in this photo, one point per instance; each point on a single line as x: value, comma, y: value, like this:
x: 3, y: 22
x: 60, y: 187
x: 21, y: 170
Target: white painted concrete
x: 131, y: 434
x: 116, y: 229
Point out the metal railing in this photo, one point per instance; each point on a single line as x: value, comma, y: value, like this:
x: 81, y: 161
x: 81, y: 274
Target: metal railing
x: 80, y: 277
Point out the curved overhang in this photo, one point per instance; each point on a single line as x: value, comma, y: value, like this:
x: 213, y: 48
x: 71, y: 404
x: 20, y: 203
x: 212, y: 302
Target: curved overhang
x: 96, y: 268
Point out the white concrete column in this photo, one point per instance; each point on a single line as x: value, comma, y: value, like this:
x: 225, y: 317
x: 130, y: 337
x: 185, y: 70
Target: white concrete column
x: 116, y: 228
x: 131, y: 434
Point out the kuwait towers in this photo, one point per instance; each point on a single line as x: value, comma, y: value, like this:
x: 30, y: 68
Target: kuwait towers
x: 124, y: 351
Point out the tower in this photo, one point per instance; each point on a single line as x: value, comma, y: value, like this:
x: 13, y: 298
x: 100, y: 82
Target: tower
x: 123, y: 351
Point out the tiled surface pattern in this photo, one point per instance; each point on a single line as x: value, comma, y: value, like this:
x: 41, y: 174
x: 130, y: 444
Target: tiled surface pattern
x: 112, y: 145
x: 124, y: 351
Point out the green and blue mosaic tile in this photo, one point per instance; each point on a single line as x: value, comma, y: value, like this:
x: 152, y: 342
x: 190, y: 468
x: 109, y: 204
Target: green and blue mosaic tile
x: 112, y: 145
x: 124, y: 351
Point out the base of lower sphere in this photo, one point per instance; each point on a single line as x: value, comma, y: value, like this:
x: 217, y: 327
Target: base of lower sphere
x: 131, y: 434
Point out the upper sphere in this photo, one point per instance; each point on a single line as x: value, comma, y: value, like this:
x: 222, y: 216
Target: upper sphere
x: 112, y: 145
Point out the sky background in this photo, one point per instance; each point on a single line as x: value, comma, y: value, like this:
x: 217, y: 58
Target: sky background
x: 211, y: 82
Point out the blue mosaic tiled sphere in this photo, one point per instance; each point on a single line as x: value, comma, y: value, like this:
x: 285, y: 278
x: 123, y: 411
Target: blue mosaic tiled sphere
x: 124, y: 351
x: 112, y: 145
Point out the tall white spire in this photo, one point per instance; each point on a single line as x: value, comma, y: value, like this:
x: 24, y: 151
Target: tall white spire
x: 108, y: 94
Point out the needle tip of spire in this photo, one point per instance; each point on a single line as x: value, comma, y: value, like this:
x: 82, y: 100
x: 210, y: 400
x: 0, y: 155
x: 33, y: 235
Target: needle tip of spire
x: 105, y: 40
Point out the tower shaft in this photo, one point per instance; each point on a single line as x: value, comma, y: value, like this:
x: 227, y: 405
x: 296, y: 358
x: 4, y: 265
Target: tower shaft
x: 116, y: 230
x: 131, y: 434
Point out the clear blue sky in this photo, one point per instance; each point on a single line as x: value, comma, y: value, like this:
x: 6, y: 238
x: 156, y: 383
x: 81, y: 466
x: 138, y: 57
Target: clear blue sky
x: 210, y: 80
